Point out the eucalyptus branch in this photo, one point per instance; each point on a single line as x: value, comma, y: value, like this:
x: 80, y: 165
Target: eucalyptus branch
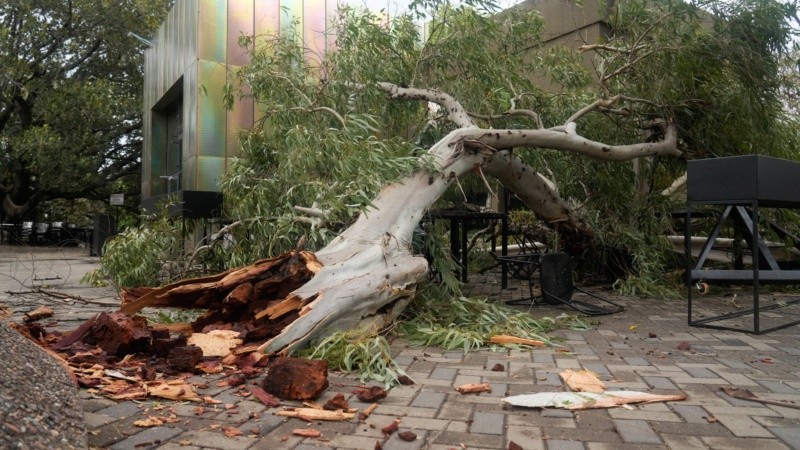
x: 217, y: 237
x: 603, y: 102
x: 676, y: 185
x: 565, y: 138
x: 509, y: 113
x: 456, y: 112
x: 313, y: 211
x: 627, y: 66
x: 595, y: 47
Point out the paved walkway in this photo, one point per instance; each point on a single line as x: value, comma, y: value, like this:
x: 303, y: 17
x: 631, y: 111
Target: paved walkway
x: 636, y: 349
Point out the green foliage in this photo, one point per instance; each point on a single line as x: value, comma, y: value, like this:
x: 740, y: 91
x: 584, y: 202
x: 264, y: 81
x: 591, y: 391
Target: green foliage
x: 438, y: 319
x: 148, y: 255
x: 358, y: 350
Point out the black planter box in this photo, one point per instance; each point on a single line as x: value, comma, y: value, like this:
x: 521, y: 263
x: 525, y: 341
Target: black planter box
x: 772, y: 182
x: 188, y: 204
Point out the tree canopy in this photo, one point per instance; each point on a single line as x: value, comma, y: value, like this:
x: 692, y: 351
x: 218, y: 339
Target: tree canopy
x: 331, y: 141
x: 70, y: 99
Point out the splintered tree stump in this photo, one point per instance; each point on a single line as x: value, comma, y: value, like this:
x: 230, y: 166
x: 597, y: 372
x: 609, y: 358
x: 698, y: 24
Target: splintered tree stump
x: 296, y: 378
x: 119, y: 334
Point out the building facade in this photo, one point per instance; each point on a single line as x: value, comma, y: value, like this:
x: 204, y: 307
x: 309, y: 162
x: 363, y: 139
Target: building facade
x: 189, y: 135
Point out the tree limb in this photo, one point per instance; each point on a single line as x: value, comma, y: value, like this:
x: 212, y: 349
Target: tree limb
x: 455, y: 112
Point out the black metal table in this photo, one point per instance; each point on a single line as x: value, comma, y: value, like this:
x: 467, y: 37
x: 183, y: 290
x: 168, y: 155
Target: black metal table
x: 459, y: 221
x: 741, y: 185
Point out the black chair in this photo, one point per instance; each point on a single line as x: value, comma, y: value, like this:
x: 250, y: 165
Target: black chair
x: 557, y: 287
x: 523, y: 265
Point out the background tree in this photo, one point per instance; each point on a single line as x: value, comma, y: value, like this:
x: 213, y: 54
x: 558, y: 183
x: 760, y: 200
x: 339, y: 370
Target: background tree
x: 70, y: 99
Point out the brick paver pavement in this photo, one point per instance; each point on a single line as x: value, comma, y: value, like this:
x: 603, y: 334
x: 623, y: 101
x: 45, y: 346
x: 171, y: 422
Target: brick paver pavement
x: 635, y: 349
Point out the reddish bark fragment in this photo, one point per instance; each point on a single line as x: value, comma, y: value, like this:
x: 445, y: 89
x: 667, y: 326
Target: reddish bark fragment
x: 162, y: 346
x: 39, y: 313
x: 94, y: 356
x: 131, y: 294
x: 296, y: 378
x: 498, y: 368
x: 405, y: 380
x: 337, y: 402
x: 235, y: 380
x: 391, y: 428
x: 514, y: 446
x: 184, y: 359
x: 240, y: 295
x: 407, y: 436
x: 264, y: 397
x: 372, y: 394
x: 684, y: 346
x: 119, y: 334
x: 378, y: 445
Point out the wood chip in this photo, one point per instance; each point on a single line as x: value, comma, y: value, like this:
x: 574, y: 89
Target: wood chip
x: 582, y: 381
x: 39, y: 313
x: 474, y: 388
x: 367, y: 411
x: 307, y: 432
x: 505, y: 339
x: 315, y: 414
x: 216, y: 342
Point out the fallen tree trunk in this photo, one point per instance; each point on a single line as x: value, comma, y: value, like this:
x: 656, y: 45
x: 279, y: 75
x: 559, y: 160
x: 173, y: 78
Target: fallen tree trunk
x: 368, y: 274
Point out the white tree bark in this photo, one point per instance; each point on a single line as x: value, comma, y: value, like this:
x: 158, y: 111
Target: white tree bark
x: 370, y: 272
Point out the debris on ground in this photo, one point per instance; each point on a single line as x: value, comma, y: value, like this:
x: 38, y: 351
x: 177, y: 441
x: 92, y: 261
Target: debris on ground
x: 119, y: 355
x: 587, y: 400
x: 312, y: 414
x: 505, y: 339
x: 307, y: 432
x: 370, y: 394
x: 296, y: 378
x: 39, y: 313
x: 684, y: 346
x: 582, y: 381
x: 745, y: 394
x: 474, y: 388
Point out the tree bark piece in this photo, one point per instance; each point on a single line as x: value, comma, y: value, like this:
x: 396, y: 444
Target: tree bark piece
x: 337, y: 402
x: 307, y: 432
x: 264, y: 397
x: 371, y: 394
x: 296, y: 378
x: 39, y: 313
x: 118, y: 334
x: 474, y: 388
x: 504, y: 339
x: 316, y: 414
x: 582, y: 381
x: 184, y: 359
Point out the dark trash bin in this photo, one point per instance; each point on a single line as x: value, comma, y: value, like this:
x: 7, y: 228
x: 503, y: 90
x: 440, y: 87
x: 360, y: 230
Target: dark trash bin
x: 102, y: 230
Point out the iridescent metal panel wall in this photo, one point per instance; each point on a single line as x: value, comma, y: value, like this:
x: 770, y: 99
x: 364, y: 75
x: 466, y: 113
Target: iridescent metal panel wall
x: 212, y: 30
x: 211, y: 123
x: 195, y: 52
x: 240, y: 23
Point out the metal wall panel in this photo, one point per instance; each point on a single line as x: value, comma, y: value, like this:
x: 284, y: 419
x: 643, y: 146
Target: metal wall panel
x: 210, y: 170
x: 240, y: 23
x: 211, y: 120
x: 212, y: 30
